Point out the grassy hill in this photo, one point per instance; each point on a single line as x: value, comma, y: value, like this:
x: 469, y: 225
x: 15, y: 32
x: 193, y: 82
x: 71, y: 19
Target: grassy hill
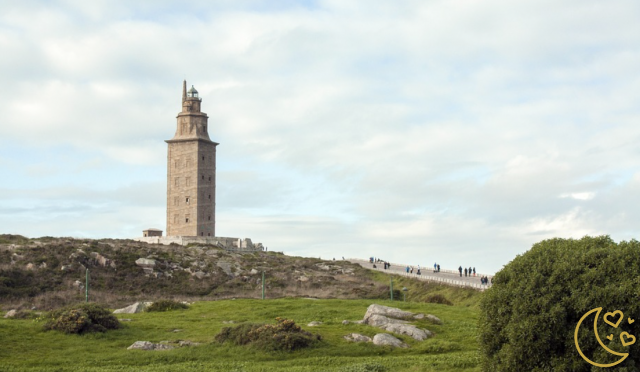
x: 48, y: 272
x: 26, y: 347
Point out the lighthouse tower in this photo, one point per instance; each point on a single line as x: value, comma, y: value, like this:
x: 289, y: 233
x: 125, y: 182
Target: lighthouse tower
x: 191, y: 172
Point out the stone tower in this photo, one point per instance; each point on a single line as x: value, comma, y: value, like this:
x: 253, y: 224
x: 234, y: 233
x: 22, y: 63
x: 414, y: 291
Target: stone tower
x: 191, y: 172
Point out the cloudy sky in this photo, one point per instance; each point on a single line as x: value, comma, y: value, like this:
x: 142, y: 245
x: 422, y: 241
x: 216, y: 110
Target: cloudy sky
x: 460, y: 131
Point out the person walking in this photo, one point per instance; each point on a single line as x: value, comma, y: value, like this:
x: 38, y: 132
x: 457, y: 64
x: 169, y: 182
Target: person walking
x: 465, y: 272
x: 438, y: 267
x: 474, y: 271
x: 460, y: 269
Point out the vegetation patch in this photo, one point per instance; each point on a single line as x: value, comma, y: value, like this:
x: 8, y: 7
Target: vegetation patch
x: 438, y: 299
x: 167, y: 305
x: 529, y: 316
x: 82, y: 318
x: 285, y: 335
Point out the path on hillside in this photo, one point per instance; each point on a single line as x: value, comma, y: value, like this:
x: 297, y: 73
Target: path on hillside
x: 450, y: 277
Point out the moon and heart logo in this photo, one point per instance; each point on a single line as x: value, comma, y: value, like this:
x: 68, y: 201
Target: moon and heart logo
x: 613, y: 319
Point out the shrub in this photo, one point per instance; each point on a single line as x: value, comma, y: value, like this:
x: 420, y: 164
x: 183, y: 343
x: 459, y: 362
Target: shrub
x: 285, y: 335
x: 167, y: 305
x: 529, y: 316
x: 438, y: 299
x: 83, y: 318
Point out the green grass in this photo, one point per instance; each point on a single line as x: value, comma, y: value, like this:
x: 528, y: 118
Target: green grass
x: 25, y: 347
x: 418, y: 290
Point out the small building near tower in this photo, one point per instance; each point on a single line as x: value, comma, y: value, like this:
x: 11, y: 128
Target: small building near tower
x: 151, y: 232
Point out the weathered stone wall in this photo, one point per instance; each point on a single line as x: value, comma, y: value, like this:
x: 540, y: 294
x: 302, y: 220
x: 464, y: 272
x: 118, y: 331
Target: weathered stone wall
x: 233, y: 244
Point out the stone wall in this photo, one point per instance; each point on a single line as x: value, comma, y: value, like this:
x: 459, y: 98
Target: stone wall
x: 231, y: 244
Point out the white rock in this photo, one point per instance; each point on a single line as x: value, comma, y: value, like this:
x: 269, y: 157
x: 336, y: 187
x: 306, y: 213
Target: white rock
x: 141, y: 345
x: 137, y: 307
x: 385, y: 339
x: 377, y: 320
x: 433, y: 319
x: 146, y: 345
x: 391, y: 312
x: 253, y: 272
x: 10, y: 314
x: 356, y: 337
x: 409, y: 330
x: 345, y: 322
x: 146, y: 263
x: 314, y: 324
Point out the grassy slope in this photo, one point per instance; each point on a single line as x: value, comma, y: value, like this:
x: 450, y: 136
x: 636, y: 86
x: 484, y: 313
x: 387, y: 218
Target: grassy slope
x: 26, y: 348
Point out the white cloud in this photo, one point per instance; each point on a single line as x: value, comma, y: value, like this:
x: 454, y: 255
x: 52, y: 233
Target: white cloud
x: 471, y: 128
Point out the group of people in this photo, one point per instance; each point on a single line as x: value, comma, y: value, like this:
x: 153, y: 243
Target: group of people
x: 374, y: 261
x: 409, y: 270
x: 467, y: 272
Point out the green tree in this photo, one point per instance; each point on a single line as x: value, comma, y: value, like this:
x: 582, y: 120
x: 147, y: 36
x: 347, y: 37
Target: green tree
x: 529, y: 316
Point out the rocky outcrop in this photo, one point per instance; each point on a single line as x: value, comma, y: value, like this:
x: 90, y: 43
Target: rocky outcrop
x: 385, y: 339
x: 146, y: 264
x: 137, y: 307
x: 409, y: 330
x: 391, y: 312
x: 356, y: 337
x: 146, y: 345
x: 397, y: 321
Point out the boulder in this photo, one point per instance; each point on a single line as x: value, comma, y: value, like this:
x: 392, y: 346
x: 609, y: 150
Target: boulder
x: 100, y: 259
x: 315, y: 323
x: 345, y: 322
x: 385, y: 339
x: 146, y: 263
x: 199, y: 274
x: 356, y: 337
x: 433, y: 319
x: 409, y: 330
x: 146, y: 345
x: 10, y: 314
x: 377, y: 320
x: 188, y: 343
x: 137, y: 307
x: 390, y: 312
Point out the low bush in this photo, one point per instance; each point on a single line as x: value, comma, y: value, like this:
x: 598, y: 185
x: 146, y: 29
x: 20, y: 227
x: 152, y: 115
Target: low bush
x: 83, y: 318
x: 438, y: 299
x: 285, y: 335
x: 167, y: 305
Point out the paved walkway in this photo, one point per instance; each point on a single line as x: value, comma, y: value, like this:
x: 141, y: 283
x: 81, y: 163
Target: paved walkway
x: 450, y: 277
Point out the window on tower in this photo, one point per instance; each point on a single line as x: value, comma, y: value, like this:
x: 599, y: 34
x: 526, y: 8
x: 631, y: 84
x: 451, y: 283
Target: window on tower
x: 209, y: 178
x: 203, y: 177
x: 209, y: 196
x: 209, y: 218
x: 186, y: 218
x: 187, y: 200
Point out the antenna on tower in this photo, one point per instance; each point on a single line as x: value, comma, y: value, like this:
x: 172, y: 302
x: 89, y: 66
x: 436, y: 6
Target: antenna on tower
x: 184, y: 90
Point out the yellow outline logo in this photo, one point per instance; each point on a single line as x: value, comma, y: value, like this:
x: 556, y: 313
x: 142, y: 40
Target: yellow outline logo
x: 625, y: 337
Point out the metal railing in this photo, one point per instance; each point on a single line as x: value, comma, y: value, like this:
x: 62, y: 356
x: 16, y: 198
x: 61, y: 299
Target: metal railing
x: 399, y: 269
